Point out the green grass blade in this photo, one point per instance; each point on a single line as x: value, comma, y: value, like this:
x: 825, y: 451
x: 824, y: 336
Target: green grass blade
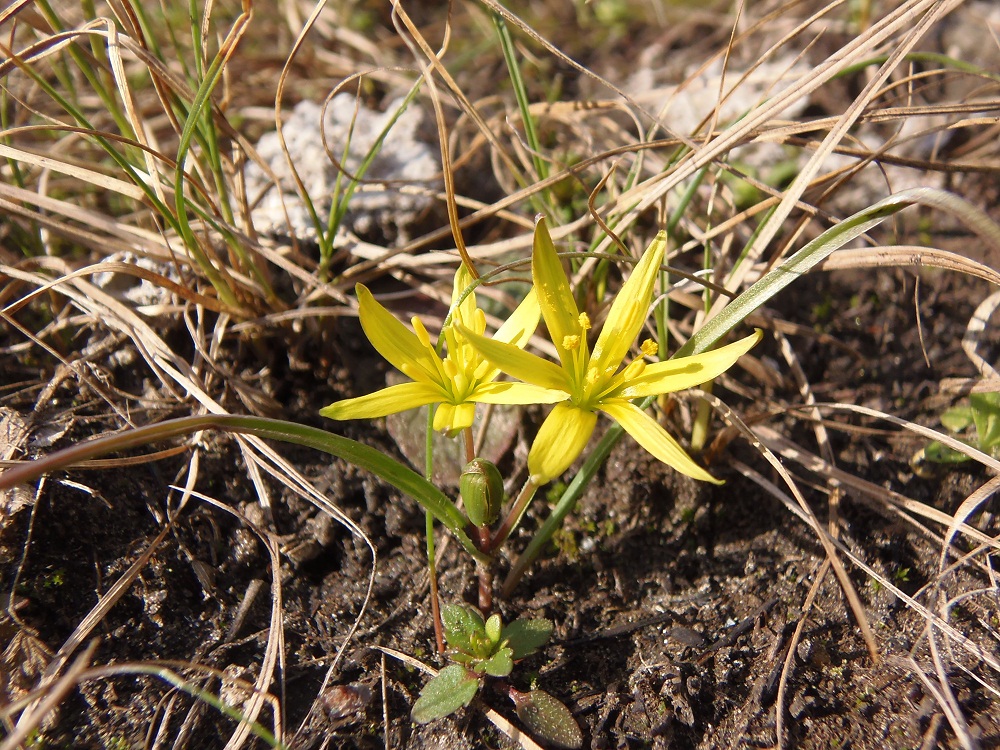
x: 820, y: 248
x: 737, y: 311
x: 429, y: 497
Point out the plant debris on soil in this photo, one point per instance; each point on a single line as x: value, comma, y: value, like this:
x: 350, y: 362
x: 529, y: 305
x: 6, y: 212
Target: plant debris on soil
x: 234, y: 577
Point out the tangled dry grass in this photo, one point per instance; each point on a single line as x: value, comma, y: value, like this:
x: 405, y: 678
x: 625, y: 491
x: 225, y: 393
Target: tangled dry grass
x: 137, y: 286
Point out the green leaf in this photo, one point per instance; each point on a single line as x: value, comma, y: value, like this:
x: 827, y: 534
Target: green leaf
x: 500, y: 664
x: 430, y: 498
x: 494, y: 628
x: 957, y: 418
x: 464, y: 628
x: 453, y: 688
x: 527, y: 636
x: 548, y: 718
x: 986, y: 412
x: 802, y: 261
x: 938, y: 453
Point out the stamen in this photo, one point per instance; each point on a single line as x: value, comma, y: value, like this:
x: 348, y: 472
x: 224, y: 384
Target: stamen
x: 584, y: 321
x: 649, y: 348
x: 479, y: 324
x: 634, y: 369
x: 450, y: 369
x: 480, y: 372
x: 570, y: 342
x: 418, y: 328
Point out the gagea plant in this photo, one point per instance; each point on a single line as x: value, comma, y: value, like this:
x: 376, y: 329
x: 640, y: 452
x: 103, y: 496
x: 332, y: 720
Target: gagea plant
x: 462, y: 369
x: 453, y: 372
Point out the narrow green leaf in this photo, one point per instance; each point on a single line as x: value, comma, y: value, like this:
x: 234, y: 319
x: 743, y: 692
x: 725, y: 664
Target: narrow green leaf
x: 527, y: 636
x: 453, y: 688
x: 820, y: 248
x: 430, y: 498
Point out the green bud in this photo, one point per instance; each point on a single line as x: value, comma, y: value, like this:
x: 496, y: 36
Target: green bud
x: 482, y: 491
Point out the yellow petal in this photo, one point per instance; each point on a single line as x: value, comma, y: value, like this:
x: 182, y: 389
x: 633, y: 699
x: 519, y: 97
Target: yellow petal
x: 518, y: 363
x: 395, y: 398
x: 687, y: 372
x: 648, y: 433
x: 521, y: 324
x: 395, y: 342
x: 506, y: 392
x: 554, y: 294
x: 630, y: 309
x: 561, y: 438
x: 453, y: 418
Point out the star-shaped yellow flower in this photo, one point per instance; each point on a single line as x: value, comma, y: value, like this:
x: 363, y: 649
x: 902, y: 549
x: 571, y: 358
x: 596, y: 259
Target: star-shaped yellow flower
x: 456, y: 383
x: 595, y: 380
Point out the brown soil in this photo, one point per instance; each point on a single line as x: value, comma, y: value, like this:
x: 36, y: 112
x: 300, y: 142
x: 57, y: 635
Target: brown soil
x: 675, y: 604
x: 685, y: 614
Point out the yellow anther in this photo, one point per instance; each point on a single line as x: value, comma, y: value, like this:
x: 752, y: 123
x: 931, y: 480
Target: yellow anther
x: 479, y: 324
x: 634, y: 369
x: 481, y: 369
x: 450, y: 369
x: 649, y: 348
x: 570, y: 342
x: 418, y: 328
x: 584, y: 321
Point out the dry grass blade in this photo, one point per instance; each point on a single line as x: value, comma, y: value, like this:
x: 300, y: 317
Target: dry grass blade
x: 54, y: 692
x: 87, y: 625
x: 794, y: 452
x: 897, y: 256
x: 828, y: 542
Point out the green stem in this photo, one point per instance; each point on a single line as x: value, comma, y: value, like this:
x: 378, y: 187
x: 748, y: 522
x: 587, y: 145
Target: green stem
x: 566, y: 504
x: 429, y: 532
x: 514, y: 516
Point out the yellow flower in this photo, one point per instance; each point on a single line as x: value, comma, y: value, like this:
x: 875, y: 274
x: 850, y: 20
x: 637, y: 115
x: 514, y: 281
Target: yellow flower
x: 456, y: 383
x: 595, y: 380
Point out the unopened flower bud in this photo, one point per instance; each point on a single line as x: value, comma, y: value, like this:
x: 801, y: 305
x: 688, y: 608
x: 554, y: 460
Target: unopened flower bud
x: 482, y: 491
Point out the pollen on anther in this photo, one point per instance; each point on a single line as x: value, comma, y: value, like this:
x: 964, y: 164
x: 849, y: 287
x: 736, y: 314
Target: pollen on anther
x: 570, y: 342
x: 584, y: 321
x: 649, y: 348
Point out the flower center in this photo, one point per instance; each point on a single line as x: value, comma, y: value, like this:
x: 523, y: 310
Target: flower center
x: 602, y: 387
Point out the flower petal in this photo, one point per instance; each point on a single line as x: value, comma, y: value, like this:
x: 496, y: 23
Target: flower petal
x: 465, y: 312
x: 687, y: 372
x: 506, y: 392
x: 521, y: 324
x: 395, y: 398
x: 561, y: 438
x: 395, y: 342
x: 651, y: 436
x: 453, y: 418
x: 517, y: 362
x: 630, y: 309
x: 555, y: 297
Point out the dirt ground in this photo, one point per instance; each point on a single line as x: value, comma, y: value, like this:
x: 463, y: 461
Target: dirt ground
x: 686, y: 615
x: 674, y: 604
